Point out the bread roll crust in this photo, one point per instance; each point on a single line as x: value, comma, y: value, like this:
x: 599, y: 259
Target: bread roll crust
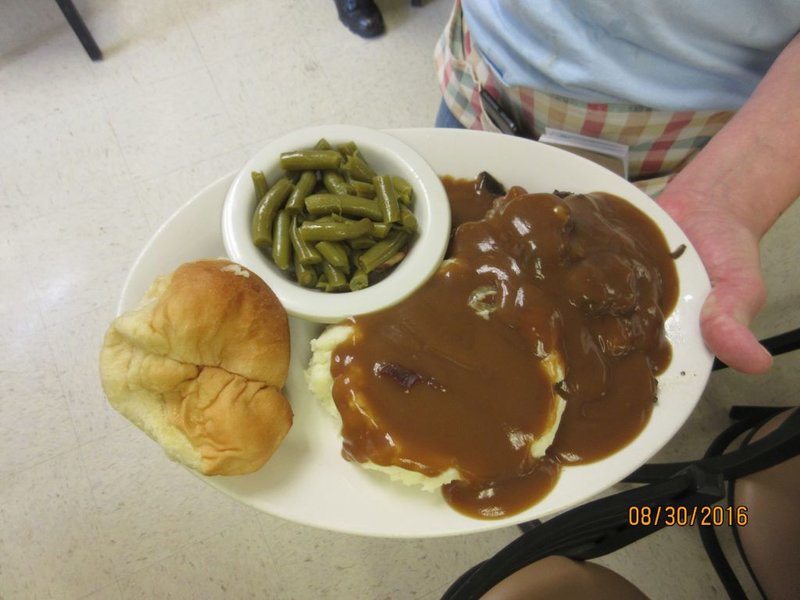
x: 199, y: 364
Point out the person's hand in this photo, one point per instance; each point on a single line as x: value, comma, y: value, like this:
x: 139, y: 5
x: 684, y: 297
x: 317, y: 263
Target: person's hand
x: 729, y: 195
x: 729, y: 251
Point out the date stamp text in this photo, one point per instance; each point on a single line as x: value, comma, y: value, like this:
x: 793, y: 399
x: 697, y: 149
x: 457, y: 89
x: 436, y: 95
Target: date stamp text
x: 687, y: 516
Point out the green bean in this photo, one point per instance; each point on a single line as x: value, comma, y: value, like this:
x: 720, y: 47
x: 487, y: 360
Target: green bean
x: 305, y: 275
x: 382, y: 251
x: 311, y: 231
x: 358, y: 281
x: 304, y: 253
x: 405, y: 193
x: 335, y: 278
x: 331, y: 218
x: 335, y: 254
x: 335, y: 183
x: 362, y: 189
x: 387, y: 198
x: 381, y: 230
x: 353, y: 206
x: 401, y: 185
x: 304, y: 186
x: 362, y: 242
x: 266, y: 210
x: 304, y: 160
x: 407, y: 220
x: 358, y: 168
x: 259, y: 183
x: 323, y: 144
x: 348, y: 148
x: 354, y: 254
x: 281, y: 246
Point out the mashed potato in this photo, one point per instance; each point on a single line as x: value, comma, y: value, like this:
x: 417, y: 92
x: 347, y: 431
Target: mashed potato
x: 320, y: 383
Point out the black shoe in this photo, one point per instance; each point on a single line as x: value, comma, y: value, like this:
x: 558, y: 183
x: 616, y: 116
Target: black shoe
x: 362, y: 17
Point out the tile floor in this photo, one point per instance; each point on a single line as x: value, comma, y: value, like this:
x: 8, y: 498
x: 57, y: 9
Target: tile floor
x: 93, y: 158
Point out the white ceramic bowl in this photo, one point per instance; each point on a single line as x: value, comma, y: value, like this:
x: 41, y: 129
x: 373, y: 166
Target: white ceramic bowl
x: 386, y: 154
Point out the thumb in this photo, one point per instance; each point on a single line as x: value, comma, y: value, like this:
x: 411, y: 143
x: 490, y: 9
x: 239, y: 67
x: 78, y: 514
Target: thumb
x: 730, y: 254
x: 724, y: 321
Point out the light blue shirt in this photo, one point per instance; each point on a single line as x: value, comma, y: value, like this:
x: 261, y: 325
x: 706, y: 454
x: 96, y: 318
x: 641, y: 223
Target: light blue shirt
x: 665, y: 54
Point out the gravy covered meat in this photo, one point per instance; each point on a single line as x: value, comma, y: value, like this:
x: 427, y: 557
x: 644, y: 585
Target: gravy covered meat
x: 536, y: 344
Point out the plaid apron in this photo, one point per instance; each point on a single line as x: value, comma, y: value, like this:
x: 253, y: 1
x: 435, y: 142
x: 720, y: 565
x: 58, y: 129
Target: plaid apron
x: 660, y: 142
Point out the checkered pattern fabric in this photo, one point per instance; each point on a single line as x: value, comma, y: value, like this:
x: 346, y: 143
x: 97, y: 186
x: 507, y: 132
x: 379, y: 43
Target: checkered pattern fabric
x: 660, y: 142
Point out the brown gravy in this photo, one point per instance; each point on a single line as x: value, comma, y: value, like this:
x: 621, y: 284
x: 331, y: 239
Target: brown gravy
x: 430, y: 384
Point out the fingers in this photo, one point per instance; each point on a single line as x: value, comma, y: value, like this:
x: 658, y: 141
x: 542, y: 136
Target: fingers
x: 737, y: 295
x: 729, y: 251
x: 730, y: 339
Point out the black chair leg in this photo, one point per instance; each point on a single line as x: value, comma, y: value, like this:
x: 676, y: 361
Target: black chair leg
x: 79, y: 27
x: 528, y: 525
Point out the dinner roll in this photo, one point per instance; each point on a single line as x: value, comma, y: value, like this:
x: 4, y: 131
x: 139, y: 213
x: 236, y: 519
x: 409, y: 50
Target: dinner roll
x: 199, y: 365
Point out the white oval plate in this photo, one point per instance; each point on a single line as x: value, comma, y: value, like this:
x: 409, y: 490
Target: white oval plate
x: 307, y: 480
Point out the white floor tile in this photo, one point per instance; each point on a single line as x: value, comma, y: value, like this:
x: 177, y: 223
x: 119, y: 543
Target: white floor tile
x: 172, y: 123
x: 77, y: 367
x: 148, y: 507
x: 76, y: 251
x: 34, y: 80
x: 60, y: 159
x: 224, y: 30
x: 161, y: 196
x: 19, y: 310
x: 52, y: 543
x: 319, y: 564
x: 35, y: 421
x: 143, y: 43
x: 235, y: 563
x: 258, y: 98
